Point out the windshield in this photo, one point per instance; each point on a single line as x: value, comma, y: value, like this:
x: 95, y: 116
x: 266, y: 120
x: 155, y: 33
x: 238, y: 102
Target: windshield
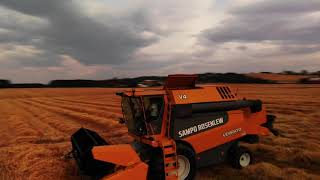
x: 133, y: 113
x: 154, y: 107
x: 143, y: 123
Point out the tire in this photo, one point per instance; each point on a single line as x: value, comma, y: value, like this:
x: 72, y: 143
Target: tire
x: 186, y: 158
x: 240, y: 157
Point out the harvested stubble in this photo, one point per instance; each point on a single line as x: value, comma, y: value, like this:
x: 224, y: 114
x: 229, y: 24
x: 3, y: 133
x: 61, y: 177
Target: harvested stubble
x: 36, y: 124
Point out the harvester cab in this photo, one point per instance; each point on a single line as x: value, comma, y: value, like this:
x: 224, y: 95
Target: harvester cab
x: 177, y: 129
x: 143, y: 114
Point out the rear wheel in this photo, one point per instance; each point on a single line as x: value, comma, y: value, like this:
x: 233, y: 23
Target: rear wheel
x: 240, y: 157
x: 186, y: 162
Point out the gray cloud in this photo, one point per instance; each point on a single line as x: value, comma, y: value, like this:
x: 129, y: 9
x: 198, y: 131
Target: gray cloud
x: 41, y: 40
x: 278, y: 7
x: 70, y: 31
x: 300, y: 49
x: 274, y: 34
x: 277, y: 21
x: 242, y: 48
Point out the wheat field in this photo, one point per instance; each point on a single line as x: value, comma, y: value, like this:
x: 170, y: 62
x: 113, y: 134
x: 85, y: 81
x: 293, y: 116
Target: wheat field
x: 36, y: 125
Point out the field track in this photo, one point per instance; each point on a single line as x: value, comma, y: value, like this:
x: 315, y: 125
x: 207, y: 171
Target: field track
x: 36, y: 124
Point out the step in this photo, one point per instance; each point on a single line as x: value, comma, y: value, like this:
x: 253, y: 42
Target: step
x: 167, y: 142
x: 168, y: 146
x: 170, y: 150
x: 170, y: 160
x: 172, y: 177
x: 170, y: 169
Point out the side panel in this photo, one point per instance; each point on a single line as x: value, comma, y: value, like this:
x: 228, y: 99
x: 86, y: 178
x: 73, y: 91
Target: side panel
x: 136, y: 171
x: 201, y: 95
x: 206, y: 130
x: 121, y: 154
x: 215, y: 137
x: 215, y: 155
x: 238, y: 126
x: 183, y: 127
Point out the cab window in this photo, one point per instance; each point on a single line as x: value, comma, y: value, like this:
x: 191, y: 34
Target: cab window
x: 154, y: 107
x: 132, y: 111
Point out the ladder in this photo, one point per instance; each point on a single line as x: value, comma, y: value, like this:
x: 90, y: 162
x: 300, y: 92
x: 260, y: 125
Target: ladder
x: 170, y: 159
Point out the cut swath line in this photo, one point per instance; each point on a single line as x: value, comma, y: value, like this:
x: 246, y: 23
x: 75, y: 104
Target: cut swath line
x: 83, y: 119
x: 37, y: 120
x: 74, y: 106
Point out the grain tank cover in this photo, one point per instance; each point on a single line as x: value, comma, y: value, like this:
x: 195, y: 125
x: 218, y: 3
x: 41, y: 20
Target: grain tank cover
x: 180, y: 81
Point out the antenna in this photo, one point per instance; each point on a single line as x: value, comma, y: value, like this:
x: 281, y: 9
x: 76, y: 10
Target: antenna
x: 236, y: 92
x: 133, y: 91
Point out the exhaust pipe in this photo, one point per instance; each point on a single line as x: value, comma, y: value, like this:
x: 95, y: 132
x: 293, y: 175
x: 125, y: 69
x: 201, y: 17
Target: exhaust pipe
x: 269, y: 124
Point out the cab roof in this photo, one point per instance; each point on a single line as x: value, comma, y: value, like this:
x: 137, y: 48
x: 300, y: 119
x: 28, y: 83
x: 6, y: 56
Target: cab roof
x: 181, y: 81
x: 173, y: 82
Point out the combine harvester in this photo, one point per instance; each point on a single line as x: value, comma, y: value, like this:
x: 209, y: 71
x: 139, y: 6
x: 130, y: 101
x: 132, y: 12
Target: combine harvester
x: 176, y: 129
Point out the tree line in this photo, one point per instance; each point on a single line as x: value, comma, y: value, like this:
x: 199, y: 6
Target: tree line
x: 133, y: 82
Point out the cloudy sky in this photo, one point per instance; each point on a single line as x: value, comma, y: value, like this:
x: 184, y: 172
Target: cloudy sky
x: 99, y: 39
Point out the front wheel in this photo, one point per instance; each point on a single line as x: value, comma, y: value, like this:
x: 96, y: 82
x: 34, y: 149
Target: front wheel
x: 240, y: 157
x: 186, y: 162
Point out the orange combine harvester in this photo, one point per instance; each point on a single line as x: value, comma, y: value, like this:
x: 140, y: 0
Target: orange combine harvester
x: 176, y: 129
